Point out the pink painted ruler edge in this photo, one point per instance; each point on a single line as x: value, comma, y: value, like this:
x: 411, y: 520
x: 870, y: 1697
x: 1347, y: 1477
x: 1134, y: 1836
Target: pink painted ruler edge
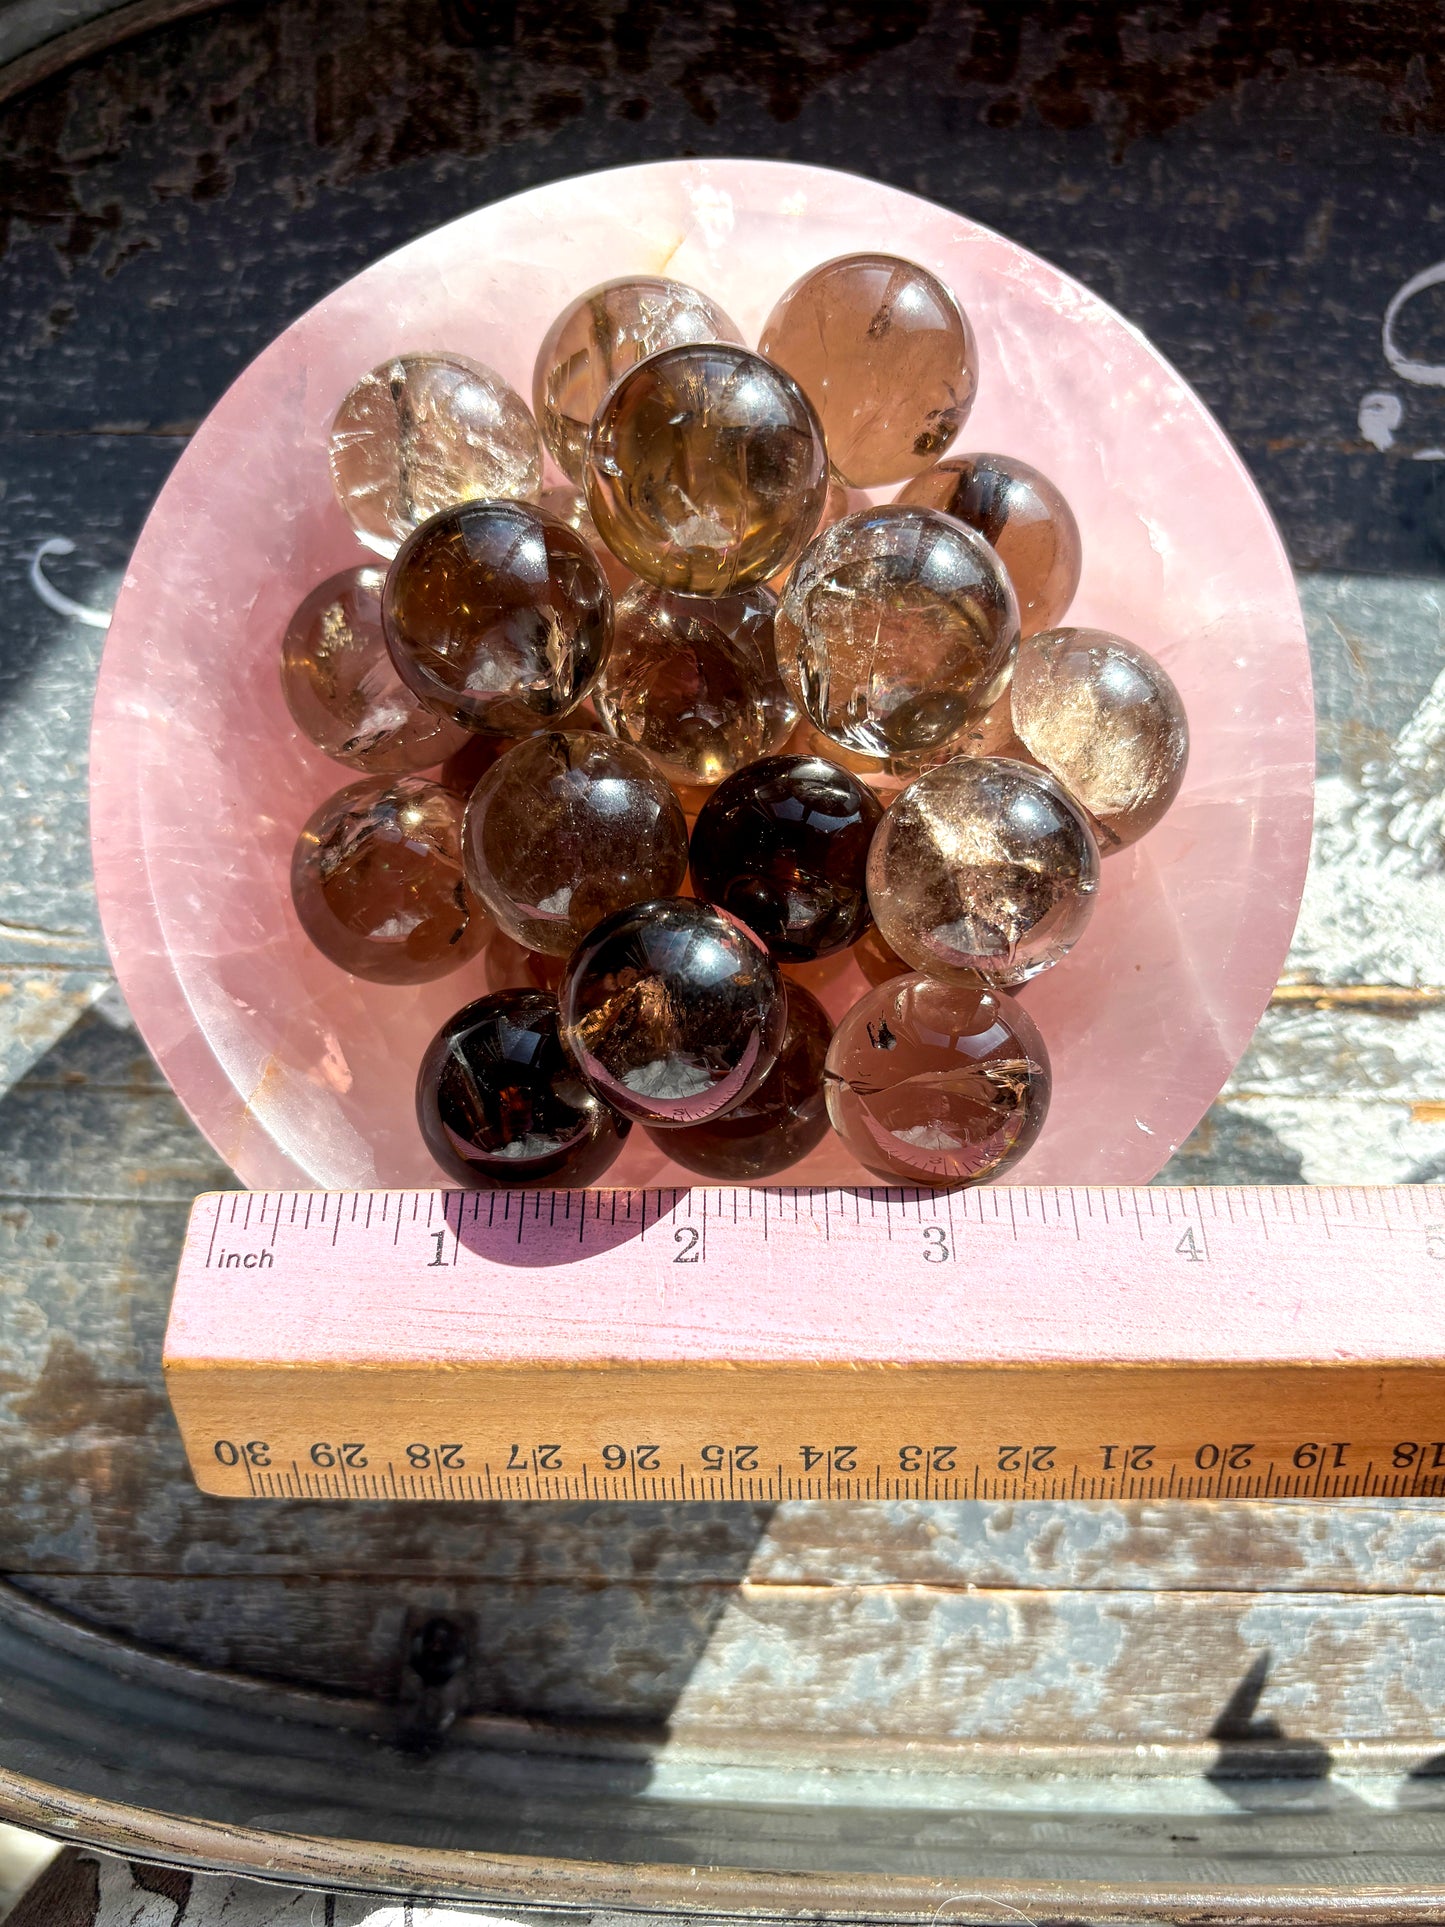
x: 1014, y: 1275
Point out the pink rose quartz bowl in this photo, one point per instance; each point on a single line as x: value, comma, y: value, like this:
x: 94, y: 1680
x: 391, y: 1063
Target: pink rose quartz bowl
x: 302, y: 1076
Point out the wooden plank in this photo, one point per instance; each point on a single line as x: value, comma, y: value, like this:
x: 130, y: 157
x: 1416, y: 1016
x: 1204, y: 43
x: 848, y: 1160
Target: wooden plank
x: 287, y: 1783
x: 884, y: 1662
x: 84, y: 499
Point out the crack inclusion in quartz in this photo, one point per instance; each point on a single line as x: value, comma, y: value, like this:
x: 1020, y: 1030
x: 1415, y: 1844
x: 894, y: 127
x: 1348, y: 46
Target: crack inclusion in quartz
x: 396, y: 927
x: 894, y: 649
x: 983, y: 865
x: 638, y: 1013
x: 422, y: 432
x: 979, y: 1090
x: 668, y: 1077
x: 533, y: 1145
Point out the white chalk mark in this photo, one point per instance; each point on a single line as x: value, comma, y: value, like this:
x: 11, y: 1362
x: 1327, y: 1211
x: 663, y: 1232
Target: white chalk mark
x: 1380, y: 415
x: 54, y: 598
x: 1426, y: 374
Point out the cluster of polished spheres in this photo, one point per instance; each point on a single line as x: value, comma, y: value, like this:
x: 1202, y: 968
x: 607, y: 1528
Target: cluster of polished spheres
x: 702, y: 624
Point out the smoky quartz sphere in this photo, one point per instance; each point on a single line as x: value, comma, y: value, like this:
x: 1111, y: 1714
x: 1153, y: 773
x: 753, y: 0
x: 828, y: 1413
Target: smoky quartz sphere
x: 783, y: 845
x: 1106, y: 719
x: 897, y: 630
x: 937, y: 1083
x: 498, y: 616
x: 343, y: 690
x: 566, y: 828
x: 780, y: 1122
x: 693, y: 681
x: 425, y: 432
x: 599, y: 337
x: 706, y: 469
x: 501, y: 1102
x: 1022, y: 516
x: 984, y: 870
x: 377, y: 881
x: 886, y: 356
x: 674, y: 1011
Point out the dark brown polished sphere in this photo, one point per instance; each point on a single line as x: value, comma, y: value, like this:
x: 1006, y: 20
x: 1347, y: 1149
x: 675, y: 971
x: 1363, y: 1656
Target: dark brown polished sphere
x: 501, y: 1102
x: 377, y: 881
x: 564, y: 829
x: 783, y: 845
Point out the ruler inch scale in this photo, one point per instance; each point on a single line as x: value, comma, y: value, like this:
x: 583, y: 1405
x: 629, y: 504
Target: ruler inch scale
x: 1003, y: 1344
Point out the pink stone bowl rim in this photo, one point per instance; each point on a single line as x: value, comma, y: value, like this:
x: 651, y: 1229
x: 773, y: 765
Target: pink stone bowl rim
x: 145, y: 968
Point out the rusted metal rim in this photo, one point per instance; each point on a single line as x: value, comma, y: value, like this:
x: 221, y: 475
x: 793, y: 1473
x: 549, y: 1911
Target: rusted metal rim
x: 145, y: 1736
x: 38, y: 40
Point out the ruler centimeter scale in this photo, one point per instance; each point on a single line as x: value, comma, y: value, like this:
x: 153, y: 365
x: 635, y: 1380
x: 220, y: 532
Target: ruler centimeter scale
x: 1021, y: 1342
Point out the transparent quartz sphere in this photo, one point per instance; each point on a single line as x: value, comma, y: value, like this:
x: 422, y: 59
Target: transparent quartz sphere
x: 706, y: 469
x: 783, y: 845
x: 425, y: 432
x: 377, y: 881
x: 693, y: 681
x: 937, y: 1083
x: 897, y: 630
x: 501, y: 1102
x: 674, y: 1011
x: 598, y: 338
x: 566, y: 828
x: 780, y: 1122
x: 983, y: 870
x: 1106, y: 719
x: 343, y: 690
x: 498, y: 616
x: 886, y: 356
x: 1022, y: 516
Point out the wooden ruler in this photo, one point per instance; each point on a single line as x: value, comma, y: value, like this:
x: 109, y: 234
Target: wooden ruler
x: 1013, y: 1343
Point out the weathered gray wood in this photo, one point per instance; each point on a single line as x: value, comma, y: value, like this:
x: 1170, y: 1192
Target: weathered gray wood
x: 91, y: 492
x: 86, y: 497
x: 880, y: 1662
x: 732, y: 1823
